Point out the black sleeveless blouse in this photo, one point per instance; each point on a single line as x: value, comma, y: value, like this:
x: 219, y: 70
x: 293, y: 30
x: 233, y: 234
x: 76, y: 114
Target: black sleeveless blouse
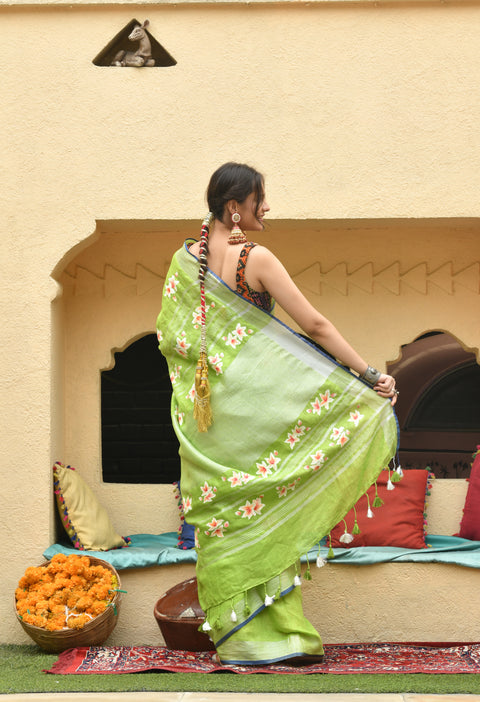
x: 261, y: 299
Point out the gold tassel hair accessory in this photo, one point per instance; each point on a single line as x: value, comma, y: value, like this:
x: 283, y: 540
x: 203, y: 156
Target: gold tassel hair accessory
x: 202, y: 411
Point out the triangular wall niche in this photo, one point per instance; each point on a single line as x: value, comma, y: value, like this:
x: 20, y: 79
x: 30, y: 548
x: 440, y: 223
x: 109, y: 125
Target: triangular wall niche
x: 122, y: 43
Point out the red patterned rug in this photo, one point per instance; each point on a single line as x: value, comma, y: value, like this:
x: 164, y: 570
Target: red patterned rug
x: 340, y: 659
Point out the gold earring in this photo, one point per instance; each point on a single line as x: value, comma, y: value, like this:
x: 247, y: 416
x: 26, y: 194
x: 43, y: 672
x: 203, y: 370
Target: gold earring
x: 237, y: 236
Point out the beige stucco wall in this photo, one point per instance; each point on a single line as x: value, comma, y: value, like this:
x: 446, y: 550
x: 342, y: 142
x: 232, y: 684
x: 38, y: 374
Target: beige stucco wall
x: 363, y: 116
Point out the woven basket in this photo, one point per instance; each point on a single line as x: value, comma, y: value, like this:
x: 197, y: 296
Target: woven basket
x: 94, y: 633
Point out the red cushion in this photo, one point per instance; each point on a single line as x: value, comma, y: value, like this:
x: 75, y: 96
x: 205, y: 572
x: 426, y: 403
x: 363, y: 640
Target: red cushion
x: 400, y: 521
x: 470, y: 524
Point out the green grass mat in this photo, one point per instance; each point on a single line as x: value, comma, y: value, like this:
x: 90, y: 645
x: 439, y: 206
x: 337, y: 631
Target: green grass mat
x: 21, y: 671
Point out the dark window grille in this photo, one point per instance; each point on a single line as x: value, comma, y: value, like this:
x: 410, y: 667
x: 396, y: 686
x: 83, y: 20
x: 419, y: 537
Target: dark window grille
x: 451, y: 403
x: 138, y: 441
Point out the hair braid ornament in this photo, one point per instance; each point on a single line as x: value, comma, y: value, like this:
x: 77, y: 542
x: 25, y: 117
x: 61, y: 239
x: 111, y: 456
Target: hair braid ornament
x: 202, y: 411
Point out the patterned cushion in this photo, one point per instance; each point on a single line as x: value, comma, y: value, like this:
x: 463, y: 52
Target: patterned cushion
x: 83, y: 517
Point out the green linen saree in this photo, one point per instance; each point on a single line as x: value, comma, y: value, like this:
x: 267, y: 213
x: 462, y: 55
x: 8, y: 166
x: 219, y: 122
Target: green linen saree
x: 295, y: 441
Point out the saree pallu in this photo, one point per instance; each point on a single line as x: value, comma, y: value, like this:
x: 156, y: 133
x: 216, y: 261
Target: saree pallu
x: 295, y: 441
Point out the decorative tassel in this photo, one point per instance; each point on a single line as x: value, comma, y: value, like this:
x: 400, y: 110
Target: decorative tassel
x: 370, y: 514
x: 397, y: 472
x: 377, y: 502
x: 268, y: 600
x: 206, y: 626
x: 297, y: 581
x: 202, y: 411
x: 233, y: 616
x: 321, y: 562
x: 346, y: 538
x: 356, y: 528
x: 246, y: 608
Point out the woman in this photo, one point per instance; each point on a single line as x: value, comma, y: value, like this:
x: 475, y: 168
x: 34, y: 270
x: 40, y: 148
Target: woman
x: 277, y: 441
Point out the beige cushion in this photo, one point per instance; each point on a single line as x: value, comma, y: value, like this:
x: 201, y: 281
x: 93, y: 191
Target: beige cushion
x: 83, y: 517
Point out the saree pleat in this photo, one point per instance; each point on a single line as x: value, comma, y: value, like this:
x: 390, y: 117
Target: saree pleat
x: 295, y: 441
x: 274, y: 633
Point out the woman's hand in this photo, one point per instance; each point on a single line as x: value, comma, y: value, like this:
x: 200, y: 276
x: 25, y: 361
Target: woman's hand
x: 386, y: 387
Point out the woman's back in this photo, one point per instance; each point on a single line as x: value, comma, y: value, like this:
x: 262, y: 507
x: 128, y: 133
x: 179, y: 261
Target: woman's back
x: 223, y: 260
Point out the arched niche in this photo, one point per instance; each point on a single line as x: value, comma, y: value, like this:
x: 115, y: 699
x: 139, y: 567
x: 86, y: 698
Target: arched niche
x: 380, y: 281
x: 438, y: 409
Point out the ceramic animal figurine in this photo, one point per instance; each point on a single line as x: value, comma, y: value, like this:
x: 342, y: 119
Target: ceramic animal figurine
x: 143, y: 55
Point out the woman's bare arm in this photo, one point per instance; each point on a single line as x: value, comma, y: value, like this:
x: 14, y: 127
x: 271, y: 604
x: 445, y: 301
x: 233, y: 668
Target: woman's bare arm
x: 265, y: 270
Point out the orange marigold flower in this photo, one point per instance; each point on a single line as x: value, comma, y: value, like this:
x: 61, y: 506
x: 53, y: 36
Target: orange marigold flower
x: 32, y: 599
x: 61, y: 582
x: 56, y: 565
x: 60, y: 597
x: 56, y: 608
x: 76, y: 580
x: 59, y: 558
x: 55, y: 624
x: 71, y: 601
x: 32, y: 575
x: 48, y: 589
x: 78, y: 622
x: 42, y: 605
x: 35, y: 620
x: 21, y: 593
x: 97, y: 608
x: 100, y: 591
x: 84, y: 603
x: 70, y: 566
x: 22, y: 607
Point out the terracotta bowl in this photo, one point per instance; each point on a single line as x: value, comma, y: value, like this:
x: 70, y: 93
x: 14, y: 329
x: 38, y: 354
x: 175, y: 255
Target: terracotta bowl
x: 178, y: 614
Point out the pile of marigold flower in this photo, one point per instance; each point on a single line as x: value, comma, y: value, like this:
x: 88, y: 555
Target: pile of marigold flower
x: 67, y: 593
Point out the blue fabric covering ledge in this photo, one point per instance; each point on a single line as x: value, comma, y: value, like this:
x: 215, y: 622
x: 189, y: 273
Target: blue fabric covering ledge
x: 441, y: 549
x: 145, y: 550
x: 161, y: 549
